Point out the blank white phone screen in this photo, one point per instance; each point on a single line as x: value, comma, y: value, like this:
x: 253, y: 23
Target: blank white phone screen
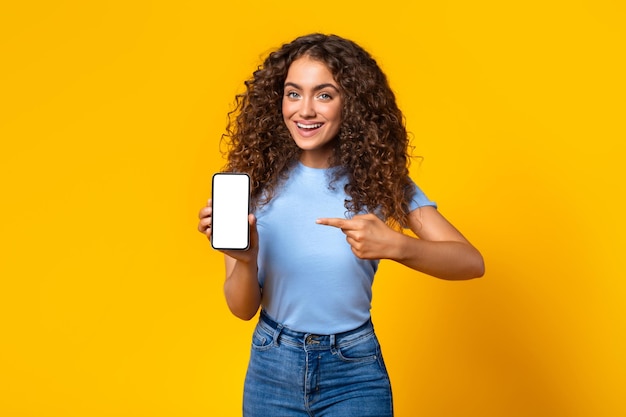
x: 231, y: 203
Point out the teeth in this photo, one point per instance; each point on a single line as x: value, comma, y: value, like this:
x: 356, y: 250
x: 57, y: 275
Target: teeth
x: 313, y: 126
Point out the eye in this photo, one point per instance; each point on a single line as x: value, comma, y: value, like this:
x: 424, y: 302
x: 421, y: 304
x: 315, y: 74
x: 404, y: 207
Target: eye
x: 292, y: 95
x: 325, y: 96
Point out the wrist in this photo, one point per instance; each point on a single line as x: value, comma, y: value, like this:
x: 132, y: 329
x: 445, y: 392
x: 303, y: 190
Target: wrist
x: 404, y: 248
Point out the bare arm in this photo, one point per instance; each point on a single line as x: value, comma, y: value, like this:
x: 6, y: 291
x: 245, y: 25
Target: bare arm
x: 241, y: 287
x: 439, y: 250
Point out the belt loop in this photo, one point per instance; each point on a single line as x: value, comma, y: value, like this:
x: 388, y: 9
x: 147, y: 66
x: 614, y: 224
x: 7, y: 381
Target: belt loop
x: 332, y: 341
x: 277, y: 332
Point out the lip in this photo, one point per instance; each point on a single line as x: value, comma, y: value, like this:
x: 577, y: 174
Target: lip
x: 308, y: 123
x: 308, y: 131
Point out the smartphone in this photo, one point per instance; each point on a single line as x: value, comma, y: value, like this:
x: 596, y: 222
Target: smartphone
x: 231, y: 204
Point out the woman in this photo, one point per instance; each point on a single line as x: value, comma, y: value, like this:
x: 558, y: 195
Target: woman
x: 319, y: 133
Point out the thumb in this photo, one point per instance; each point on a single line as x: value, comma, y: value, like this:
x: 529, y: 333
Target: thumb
x: 254, y: 234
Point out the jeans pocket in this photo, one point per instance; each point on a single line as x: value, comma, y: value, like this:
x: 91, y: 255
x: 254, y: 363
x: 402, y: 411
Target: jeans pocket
x: 363, y: 350
x: 262, y: 339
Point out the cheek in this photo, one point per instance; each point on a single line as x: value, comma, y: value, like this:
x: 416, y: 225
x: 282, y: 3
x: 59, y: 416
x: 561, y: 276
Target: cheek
x: 335, y: 130
x: 336, y: 109
x: 337, y: 114
x: 287, y: 109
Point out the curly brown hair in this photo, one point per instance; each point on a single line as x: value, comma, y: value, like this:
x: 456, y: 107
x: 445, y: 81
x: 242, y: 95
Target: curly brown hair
x: 371, y: 148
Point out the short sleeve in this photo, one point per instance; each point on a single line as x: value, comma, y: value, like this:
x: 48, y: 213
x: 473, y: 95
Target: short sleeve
x: 419, y: 198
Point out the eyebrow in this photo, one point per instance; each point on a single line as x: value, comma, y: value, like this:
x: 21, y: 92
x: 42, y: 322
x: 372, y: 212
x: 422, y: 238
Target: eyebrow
x: 316, y: 88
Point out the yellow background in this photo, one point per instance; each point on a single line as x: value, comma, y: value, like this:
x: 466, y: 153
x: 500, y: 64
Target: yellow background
x: 111, y: 303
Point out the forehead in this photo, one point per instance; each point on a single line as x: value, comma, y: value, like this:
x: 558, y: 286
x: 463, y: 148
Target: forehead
x: 306, y: 69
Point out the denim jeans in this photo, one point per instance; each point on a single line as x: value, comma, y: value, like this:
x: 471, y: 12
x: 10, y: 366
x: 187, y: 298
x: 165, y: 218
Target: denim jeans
x: 301, y: 374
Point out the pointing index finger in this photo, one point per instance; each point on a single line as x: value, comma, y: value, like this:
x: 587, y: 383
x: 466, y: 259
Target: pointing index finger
x: 335, y: 222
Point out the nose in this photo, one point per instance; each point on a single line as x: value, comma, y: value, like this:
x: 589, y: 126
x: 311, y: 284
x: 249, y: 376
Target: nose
x: 307, y: 107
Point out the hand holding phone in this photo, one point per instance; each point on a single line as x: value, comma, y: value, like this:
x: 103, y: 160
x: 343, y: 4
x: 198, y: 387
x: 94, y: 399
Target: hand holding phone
x: 230, y: 229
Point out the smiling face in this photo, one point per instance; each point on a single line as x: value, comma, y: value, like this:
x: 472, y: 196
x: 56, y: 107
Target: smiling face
x: 312, y: 105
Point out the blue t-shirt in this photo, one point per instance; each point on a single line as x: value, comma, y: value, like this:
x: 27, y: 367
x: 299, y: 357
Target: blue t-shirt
x: 311, y: 280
